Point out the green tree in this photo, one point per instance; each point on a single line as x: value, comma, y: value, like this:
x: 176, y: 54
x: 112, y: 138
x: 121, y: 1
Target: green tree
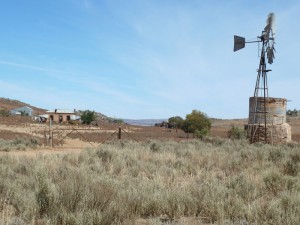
x: 88, y: 116
x: 175, y: 122
x: 197, y: 123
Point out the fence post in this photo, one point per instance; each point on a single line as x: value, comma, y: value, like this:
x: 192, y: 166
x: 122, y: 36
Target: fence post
x: 50, y: 134
x: 119, y: 133
x: 45, y: 138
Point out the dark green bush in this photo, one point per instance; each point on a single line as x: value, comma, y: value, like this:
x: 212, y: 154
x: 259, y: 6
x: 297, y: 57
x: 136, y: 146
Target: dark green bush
x: 197, y: 123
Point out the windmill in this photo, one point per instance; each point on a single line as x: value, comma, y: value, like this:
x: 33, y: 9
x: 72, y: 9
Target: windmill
x: 259, y: 113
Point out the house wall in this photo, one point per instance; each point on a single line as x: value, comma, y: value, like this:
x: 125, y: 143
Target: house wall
x: 59, y: 117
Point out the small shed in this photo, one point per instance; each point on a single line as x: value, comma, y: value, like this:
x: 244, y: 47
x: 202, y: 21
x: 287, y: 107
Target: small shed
x: 24, y: 110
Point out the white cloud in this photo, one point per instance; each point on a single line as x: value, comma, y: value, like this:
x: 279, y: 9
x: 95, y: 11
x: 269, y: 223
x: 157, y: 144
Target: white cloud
x: 14, y: 64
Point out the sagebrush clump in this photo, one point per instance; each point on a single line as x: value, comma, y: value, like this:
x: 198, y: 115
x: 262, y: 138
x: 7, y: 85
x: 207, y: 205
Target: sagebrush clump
x: 212, y: 181
x: 19, y: 143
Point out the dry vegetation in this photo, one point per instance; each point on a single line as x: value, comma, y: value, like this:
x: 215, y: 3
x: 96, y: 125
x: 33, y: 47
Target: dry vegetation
x: 156, y: 181
x: 295, y: 124
x: 206, y: 182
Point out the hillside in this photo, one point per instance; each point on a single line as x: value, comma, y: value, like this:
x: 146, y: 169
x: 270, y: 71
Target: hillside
x: 9, y: 104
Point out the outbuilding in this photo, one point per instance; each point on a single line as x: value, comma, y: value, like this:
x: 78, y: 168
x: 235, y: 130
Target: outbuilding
x: 24, y: 111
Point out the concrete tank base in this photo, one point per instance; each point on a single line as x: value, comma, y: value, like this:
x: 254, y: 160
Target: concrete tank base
x: 276, y: 133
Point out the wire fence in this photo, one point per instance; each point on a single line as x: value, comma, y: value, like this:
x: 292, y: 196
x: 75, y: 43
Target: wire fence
x: 77, y: 137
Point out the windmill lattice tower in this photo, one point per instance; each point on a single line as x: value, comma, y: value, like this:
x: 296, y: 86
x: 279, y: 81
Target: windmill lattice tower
x: 267, y: 116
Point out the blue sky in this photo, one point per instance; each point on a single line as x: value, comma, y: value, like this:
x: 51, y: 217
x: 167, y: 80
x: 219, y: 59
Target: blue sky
x: 142, y: 59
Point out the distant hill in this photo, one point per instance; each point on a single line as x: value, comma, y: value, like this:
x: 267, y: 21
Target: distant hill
x: 9, y: 104
x: 144, y: 122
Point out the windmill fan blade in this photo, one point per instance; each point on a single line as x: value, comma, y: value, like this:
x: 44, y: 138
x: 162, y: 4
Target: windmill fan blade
x: 270, y: 54
x: 271, y: 20
x: 269, y: 37
x: 270, y: 25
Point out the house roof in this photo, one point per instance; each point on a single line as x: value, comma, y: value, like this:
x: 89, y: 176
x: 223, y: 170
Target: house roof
x: 21, y: 108
x: 62, y: 111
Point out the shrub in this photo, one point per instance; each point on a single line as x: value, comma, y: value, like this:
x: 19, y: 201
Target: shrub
x: 291, y: 168
x: 104, y: 155
x: 201, y: 133
x: 295, y: 156
x: 273, y: 181
x: 18, y: 144
x: 242, y: 187
x: 45, y: 195
x: 154, y: 147
x: 236, y: 133
x: 197, y: 122
x: 275, y: 155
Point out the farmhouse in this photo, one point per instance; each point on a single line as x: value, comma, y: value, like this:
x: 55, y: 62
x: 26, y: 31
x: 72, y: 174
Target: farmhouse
x: 61, y: 115
x: 24, y: 110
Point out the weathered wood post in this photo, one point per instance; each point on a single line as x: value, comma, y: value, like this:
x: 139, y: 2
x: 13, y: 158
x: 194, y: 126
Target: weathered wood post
x: 50, y: 134
x: 119, y: 133
x: 45, y: 138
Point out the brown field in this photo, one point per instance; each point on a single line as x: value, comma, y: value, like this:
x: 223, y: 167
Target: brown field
x: 79, y: 136
x: 65, y: 135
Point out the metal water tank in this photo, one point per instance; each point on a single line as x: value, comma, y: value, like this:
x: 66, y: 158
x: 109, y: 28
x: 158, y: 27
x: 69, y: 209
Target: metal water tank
x: 275, y: 110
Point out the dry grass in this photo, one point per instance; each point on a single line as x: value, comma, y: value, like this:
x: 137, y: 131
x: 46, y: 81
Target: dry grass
x: 192, y: 182
x: 295, y: 124
x: 19, y: 143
